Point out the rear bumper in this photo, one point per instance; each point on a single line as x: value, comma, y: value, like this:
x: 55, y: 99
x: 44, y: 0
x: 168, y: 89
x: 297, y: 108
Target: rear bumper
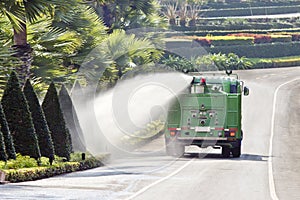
x: 202, y: 138
x: 209, y: 141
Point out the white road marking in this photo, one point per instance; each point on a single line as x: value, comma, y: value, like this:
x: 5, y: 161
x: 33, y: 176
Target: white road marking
x: 270, y: 165
x: 160, y: 180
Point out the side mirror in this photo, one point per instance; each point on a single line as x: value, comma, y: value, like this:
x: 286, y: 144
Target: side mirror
x: 246, y: 91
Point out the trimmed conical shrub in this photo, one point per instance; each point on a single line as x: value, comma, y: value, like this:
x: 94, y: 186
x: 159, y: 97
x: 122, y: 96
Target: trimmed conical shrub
x: 8, y: 141
x: 19, y: 119
x: 56, y: 122
x: 39, y: 121
x: 72, y: 121
x: 3, y: 155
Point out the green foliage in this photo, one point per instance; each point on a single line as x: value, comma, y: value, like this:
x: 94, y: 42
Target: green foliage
x: 275, y: 62
x: 231, y: 61
x: 128, y: 14
x: 228, y: 40
x: 26, y: 169
x: 71, y: 119
x: 60, y: 134
x: 39, y: 121
x: 178, y: 63
x: 7, y: 61
x: 19, y: 119
x: 3, y: 155
x: 208, y: 62
x: 260, y: 50
x: 8, y: 140
x: 21, y: 162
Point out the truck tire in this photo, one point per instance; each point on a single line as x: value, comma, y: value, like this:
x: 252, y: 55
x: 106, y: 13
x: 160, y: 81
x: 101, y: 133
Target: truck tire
x: 225, y: 152
x: 236, y: 152
x: 175, y: 149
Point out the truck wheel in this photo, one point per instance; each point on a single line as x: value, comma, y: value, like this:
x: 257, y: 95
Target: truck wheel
x: 175, y: 149
x: 179, y: 149
x: 225, y: 152
x: 236, y: 152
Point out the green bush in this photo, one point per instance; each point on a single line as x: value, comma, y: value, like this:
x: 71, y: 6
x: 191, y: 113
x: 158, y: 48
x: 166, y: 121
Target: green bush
x: 60, y: 134
x: 19, y: 119
x: 33, y: 172
x: 39, y: 121
x: 21, y: 162
x: 3, y: 155
x: 8, y: 141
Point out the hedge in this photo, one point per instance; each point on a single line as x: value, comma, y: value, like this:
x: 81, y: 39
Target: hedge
x: 271, y: 50
x: 187, y: 31
x: 264, y: 63
x: 219, y: 5
x: 265, y: 38
x: 249, y: 11
x: 281, y: 38
x: 218, y: 40
x: 230, y: 40
x: 35, y: 173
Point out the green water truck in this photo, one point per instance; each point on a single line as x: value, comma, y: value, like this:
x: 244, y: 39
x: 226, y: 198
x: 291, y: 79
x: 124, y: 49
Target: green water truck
x: 207, y: 113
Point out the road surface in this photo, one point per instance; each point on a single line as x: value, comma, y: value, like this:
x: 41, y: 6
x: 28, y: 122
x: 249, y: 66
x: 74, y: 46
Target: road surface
x: 268, y: 168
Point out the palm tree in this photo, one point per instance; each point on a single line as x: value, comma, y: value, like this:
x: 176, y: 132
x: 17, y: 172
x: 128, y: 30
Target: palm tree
x: 170, y: 9
x: 193, y: 13
x: 120, y: 14
x: 182, y: 12
x: 118, y: 54
x: 20, y: 13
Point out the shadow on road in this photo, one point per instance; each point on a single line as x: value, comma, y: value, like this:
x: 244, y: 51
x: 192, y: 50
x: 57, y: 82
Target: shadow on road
x: 250, y: 157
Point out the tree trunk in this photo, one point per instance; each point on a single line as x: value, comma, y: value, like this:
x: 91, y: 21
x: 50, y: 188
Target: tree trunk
x: 182, y: 22
x: 192, y: 23
x: 107, y: 16
x: 23, y: 52
x: 172, y: 21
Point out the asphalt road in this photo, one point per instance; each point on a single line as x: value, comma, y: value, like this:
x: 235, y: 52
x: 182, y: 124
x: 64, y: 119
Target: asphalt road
x: 268, y: 168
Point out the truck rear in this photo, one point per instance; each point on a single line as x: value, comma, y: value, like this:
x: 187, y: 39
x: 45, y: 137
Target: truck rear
x: 207, y: 113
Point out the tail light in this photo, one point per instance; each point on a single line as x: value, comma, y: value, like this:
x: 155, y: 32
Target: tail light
x: 173, y: 133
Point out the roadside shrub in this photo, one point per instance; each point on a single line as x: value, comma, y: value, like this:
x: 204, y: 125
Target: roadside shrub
x: 3, y: 155
x: 34, y: 173
x: 21, y: 162
x: 39, y: 121
x: 19, y: 119
x: 59, y: 132
x: 8, y: 140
